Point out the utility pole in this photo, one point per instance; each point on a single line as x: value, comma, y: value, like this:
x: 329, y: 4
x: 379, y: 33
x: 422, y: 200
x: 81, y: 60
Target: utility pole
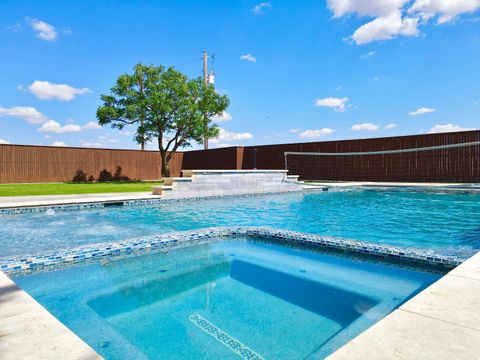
x: 205, y: 79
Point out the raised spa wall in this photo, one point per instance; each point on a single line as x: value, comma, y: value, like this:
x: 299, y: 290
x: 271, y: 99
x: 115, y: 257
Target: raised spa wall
x: 227, y: 182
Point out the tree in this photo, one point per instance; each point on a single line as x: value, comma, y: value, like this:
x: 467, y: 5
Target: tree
x: 166, y: 106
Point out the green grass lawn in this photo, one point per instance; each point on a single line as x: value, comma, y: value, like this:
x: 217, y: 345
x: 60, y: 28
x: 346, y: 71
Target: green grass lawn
x: 75, y: 188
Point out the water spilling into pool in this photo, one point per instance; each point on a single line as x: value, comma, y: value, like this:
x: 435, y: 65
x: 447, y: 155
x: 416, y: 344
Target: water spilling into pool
x: 445, y: 222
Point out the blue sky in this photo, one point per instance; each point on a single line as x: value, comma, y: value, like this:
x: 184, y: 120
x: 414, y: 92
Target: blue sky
x: 294, y: 70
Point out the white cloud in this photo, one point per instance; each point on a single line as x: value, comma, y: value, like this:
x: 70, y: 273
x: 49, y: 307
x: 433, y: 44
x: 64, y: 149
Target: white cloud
x: 43, y: 30
x: 91, y: 125
x: 294, y: 131
x: 46, y: 90
x: 223, y: 145
x: 446, y: 10
x: 91, y: 144
x: 3, y: 141
x: 106, y: 139
x: 27, y: 113
x: 386, y: 28
x: 421, y: 111
x: 367, y: 55
x: 248, y: 57
x: 128, y: 132
x: 55, y: 127
x: 390, y: 126
x: 259, y: 8
x: 365, y: 126
x: 447, y: 128
x: 338, y: 104
x: 373, y: 8
x: 58, y: 143
x: 15, y: 28
x: 225, y: 116
x: 316, y: 133
x: 393, y: 18
x: 225, y: 136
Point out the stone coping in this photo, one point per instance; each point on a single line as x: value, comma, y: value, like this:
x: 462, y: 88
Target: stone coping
x: 78, y: 204
x: 440, y: 323
x: 11, y: 202
x: 411, y: 185
x: 65, y: 257
x: 29, y: 331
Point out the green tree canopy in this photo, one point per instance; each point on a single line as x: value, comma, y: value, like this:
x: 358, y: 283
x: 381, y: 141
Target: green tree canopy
x: 164, y: 105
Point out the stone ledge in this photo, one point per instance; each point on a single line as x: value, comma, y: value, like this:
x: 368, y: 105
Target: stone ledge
x: 29, y: 331
x: 442, y: 322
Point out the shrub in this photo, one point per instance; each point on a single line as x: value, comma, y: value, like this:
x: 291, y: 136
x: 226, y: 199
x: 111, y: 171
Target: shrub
x: 80, y: 176
x: 118, y: 175
x: 105, y: 175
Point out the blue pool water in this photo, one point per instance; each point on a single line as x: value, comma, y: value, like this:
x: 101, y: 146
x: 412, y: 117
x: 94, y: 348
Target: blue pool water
x: 446, y: 222
x: 223, y: 299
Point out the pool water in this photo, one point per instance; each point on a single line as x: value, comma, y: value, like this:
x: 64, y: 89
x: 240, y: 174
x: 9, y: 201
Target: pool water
x: 224, y: 300
x: 445, y: 222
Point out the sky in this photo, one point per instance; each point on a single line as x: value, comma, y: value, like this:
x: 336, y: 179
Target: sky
x: 294, y: 71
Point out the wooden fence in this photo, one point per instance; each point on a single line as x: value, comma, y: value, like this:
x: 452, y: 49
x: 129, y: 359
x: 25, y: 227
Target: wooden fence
x: 30, y: 164
x: 460, y: 164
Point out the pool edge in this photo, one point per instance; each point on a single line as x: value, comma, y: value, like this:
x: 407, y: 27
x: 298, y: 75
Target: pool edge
x: 29, y: 331
x: 441, y: 322
x: 166, y: 241
x: 393, y: 337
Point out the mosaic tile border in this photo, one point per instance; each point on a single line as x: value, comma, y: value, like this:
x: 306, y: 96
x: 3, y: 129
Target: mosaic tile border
x: 43, y: 208
x: 169, y: 241
x: 229, y: 341
x: 137, y: 202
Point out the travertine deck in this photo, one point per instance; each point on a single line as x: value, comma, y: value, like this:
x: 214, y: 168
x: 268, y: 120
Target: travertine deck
x: 442, y: 322
x: 28, y: 331
x: 437, y: 186
x: 45, y: 200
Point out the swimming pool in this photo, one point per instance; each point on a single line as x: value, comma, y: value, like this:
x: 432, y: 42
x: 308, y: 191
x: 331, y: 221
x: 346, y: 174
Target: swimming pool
x: 444, y: 222
x: 223, y: 300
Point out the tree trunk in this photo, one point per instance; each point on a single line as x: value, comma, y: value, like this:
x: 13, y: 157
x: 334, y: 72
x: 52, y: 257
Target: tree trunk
x: 165, y: 167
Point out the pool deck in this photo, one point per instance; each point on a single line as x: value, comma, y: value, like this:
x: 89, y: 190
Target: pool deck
x: 442, y: 322
x: 29, y: 331
x: 373, y: 184
x: 46, y: 200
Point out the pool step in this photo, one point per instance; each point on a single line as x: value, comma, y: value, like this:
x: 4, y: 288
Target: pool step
x: 160, y: 190
x: 170, y: 181
x: 292, y: 178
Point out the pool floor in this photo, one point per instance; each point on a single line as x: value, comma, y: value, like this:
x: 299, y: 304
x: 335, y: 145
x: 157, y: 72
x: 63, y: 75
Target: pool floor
x: 224, y: 300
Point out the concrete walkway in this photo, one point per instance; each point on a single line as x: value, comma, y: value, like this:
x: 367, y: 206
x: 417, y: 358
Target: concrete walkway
x: 449, y: 186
